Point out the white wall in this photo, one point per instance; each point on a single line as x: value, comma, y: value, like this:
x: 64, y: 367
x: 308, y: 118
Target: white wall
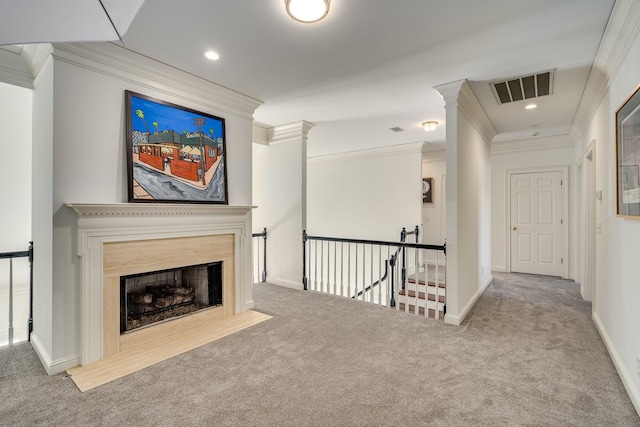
x: 82, y: 107
x: 278, y: 185
x: 434, y: 222
x: 556, y: 151
x: 15, y: 223
x: 617, y: 292
x: 370, y: 194
x: 474, y: 215
x: 42, y: 213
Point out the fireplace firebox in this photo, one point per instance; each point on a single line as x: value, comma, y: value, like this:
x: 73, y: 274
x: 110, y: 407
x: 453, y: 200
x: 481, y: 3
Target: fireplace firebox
x: 158, y: 296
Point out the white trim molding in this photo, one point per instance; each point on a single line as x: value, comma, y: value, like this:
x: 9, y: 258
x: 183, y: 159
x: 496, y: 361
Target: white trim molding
x: 14, y: 70
x: 625, y: 375
x: 369, y: 154
x: 533, y: 144
x: 457, y: 320
x: 622, y: 30
x: 123, y: 64
x: 564, y: 171
x: 52, y: 367
x: 461, y: 95
x: 289, y: 131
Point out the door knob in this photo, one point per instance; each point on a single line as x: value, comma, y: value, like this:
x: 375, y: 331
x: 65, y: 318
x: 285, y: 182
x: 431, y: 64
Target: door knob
x: 515, y: 228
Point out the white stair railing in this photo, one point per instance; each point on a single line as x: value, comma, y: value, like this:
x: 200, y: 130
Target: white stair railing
x: 404, y: 275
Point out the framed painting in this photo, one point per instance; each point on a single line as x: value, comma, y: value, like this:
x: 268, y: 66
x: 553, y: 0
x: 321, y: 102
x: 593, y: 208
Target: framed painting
x: 174, y: 154
x: 427, y: 190
x: 628, y: 157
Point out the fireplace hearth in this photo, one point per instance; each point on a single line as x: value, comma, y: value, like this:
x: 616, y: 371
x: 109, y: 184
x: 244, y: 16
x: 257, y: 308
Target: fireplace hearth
x: 158, y: 296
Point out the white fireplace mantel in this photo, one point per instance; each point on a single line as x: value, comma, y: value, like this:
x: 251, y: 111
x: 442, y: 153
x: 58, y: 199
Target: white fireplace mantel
x: 119, y: 222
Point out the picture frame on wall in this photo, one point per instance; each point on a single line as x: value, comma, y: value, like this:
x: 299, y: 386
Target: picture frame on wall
x: 174, y: 154
x: 628, y: 157
x: 427, y: 190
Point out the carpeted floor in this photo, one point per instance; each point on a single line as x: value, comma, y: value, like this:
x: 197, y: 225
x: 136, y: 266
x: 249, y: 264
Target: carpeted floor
x: 528, y: 355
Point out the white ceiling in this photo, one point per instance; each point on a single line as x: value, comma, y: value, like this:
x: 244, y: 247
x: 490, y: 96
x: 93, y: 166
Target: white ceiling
x: 372, y: 64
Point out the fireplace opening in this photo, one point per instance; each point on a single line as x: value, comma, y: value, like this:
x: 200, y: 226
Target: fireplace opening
x: 157, y: 296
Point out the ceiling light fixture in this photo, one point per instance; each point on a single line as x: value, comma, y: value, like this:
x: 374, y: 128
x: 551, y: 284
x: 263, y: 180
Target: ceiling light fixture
x: 429, y: 126
x: 212, y: 55
x: 531, y: 106
x: 307, y: 11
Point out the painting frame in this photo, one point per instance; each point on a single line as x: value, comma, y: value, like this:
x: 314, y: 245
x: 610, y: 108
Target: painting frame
x: 627, y: 120
x: 427, y: 190
x: 178, y: 163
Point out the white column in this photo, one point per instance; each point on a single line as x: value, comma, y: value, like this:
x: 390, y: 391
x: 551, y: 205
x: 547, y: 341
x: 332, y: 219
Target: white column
x: 280, y: 194
x: 468, y: 199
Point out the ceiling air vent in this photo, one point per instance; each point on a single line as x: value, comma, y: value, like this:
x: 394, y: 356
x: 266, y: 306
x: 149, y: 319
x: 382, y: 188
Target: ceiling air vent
x: 396, y: 129
x: 520, y: 88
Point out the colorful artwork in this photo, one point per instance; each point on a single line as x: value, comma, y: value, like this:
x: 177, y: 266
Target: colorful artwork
x: 175, y: 154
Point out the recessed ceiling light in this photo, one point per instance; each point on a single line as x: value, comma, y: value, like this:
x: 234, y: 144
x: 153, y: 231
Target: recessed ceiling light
x: 531, y: 106
x: 212, y: 55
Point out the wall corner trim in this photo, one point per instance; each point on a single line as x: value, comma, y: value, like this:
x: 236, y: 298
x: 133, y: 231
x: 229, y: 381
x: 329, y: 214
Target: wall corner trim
x: 52, y: 367
x: 289, y: 131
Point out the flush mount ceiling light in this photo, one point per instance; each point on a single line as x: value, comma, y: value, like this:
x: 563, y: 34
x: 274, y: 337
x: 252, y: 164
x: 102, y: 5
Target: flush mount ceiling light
x: 429, y: 126
x: 531, y: 106
x: 307, y: 11
x: 212, y: 55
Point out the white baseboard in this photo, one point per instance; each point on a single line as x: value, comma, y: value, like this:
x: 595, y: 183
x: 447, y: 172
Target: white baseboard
x: 52, y: 366
x: 501, y: 269
x: 285, y: 283
x: 458, y: 319
x: 625, y: 375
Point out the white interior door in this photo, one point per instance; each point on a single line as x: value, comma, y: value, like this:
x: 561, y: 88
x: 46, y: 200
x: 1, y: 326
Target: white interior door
x: 536, y: 223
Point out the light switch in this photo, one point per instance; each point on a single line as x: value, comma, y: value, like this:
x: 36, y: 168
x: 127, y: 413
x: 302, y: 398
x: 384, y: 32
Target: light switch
x: 599, y: 227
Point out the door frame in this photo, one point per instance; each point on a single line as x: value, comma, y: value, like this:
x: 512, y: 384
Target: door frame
x: 564, y: 171
x: 587, y: 282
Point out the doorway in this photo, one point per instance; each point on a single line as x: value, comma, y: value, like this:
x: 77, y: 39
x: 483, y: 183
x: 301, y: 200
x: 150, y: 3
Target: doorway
x: 538, y: 222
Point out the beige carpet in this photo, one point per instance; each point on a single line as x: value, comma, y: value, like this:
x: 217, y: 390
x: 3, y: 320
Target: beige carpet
x: 529, y: 355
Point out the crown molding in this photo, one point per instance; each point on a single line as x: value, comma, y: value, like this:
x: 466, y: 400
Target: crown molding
x: 259, y: 135
x: 532, y: 144
x: 370, y: 154
x: 619, y: 35
x: 471, y: 108
x: 120, y: 63
x: 36, y: 56
x: 14, y: 70
x: 434, y: 156
x: 459, y: 94
x: 289, y: 131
